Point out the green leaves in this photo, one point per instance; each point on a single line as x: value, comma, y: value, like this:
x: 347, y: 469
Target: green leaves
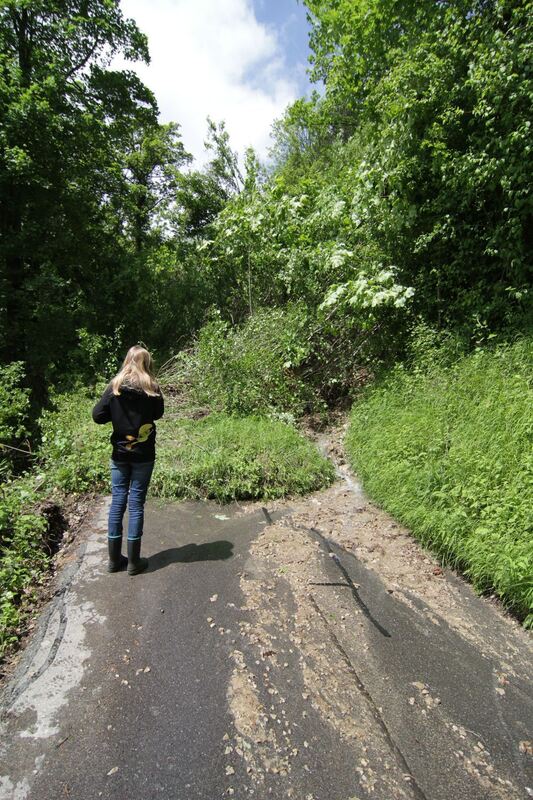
x: 14, y: 415
x: 366, y: 293
x: 23, y: 556
x: 432, y: 101
x: 14, y: 403
x: 251, y: 369
x: 65, y: 121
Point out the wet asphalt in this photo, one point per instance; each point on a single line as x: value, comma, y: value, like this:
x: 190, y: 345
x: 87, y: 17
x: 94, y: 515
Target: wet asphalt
x: 122, y: 692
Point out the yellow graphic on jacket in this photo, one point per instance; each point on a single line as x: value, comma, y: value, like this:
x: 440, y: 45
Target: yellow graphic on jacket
x: 142, y: 436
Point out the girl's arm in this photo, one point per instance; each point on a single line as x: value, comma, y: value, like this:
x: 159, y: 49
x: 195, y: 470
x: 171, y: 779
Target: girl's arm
x: 101, y: 411
x: 158, y: 406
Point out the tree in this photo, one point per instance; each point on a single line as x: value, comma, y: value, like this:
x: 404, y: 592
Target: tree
x: 354, y: 43
x: 65, y: 119
x: 432, y: 101
x: 152, y: 175
x: 202, y: 194
x: 303, y: 135
x: 224, y: 165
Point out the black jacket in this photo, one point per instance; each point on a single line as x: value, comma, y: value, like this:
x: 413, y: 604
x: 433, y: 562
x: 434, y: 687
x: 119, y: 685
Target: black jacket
x: 132, y: 413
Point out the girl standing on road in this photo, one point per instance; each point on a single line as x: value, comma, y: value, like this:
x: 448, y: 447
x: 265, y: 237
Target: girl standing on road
x: 131, y: 402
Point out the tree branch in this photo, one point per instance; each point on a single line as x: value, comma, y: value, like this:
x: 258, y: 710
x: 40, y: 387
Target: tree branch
x: 83, y: 61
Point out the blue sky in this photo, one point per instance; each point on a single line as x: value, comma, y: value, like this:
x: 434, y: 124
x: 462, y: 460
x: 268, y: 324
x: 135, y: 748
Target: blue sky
x: 238, y: 60
x: 288, y: 18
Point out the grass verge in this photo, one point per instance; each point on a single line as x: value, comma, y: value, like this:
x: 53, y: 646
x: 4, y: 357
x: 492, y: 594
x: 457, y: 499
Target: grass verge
x: 448, y: 451
x: 24, y: 554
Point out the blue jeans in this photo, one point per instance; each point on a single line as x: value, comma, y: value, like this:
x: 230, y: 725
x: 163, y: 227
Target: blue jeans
x: 128, y: 479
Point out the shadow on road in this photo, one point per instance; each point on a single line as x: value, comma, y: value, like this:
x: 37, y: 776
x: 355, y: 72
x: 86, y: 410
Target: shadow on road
x: 209, y: 551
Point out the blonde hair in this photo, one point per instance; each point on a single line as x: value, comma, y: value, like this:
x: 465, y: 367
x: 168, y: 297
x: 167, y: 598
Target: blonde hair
x: 137, y: 372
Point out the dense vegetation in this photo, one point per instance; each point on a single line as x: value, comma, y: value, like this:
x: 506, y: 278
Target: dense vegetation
x: 446, y: 448
x: 219, y: 456
x: 396, y: 197
x: 402, y: 189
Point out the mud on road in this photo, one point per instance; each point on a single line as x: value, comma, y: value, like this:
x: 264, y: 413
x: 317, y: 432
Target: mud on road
x: 425, y: 687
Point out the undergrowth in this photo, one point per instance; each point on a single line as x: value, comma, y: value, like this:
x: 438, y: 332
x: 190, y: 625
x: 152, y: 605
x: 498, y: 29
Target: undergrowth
x: 447, y: 450
x: 281, y: 363
x: 248, y: 369
x: 24, y: 553
x: 220, y: 456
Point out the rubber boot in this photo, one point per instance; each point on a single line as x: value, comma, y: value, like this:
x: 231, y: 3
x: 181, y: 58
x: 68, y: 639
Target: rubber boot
x: 116, y: 560
x: 136, y: 564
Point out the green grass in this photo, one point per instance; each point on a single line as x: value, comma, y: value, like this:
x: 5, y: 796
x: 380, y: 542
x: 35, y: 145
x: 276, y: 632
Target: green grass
x: 230, y: 458
x: 222, y: 457
x: 448, y: 451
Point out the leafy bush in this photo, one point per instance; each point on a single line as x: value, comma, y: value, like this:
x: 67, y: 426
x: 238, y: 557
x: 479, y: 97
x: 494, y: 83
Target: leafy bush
x: 98, y: 354
x: 433, y: 101
x: 447, y: 450
x: 75, y: 451
x: 281, y: 363
x: 427, y: 348
x: 250, y: 369
x: 14, y: 408
x: 23, y: 556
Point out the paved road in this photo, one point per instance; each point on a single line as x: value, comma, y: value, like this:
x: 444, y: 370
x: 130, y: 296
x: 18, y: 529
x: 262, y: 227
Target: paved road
x: 177, y: 684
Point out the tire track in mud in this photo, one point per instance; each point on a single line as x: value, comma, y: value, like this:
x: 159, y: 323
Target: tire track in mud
x: 418, y: 794
x: 336, y: 705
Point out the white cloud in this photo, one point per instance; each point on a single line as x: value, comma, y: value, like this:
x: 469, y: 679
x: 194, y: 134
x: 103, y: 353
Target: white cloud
x: 212, y: 57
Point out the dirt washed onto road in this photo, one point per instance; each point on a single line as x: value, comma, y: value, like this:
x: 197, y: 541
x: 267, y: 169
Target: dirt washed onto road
x: 345, y: 515
x: 427, y: 686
